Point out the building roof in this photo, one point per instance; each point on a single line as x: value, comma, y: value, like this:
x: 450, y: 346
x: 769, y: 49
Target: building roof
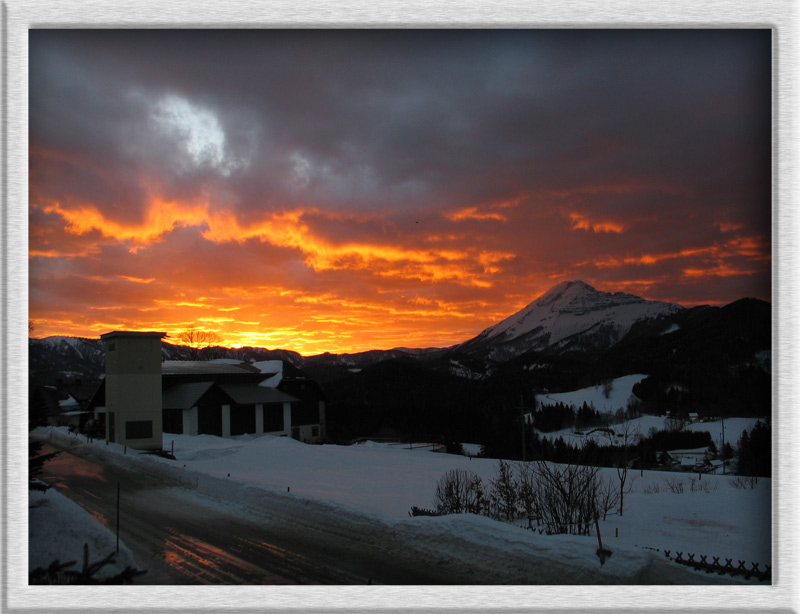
x: 184, y: 396
x: 690, y: 452
x: 197, y: 367
x: 248, y: 394
x: 127, y: 333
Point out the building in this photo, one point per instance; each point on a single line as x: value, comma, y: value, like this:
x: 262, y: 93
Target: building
x: 689, y: 459
x: 63, y: 403
x: 133, y: 415
x: 224, y: 397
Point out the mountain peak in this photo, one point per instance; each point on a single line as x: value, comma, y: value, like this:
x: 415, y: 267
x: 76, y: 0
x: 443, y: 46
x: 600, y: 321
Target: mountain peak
x: 564, y: 289
x: 572, y: 313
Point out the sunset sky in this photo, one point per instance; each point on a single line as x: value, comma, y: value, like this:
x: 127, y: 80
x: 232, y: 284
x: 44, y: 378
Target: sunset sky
x: 346, y: 190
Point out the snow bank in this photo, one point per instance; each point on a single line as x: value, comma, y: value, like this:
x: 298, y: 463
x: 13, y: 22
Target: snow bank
x: 58, y: 530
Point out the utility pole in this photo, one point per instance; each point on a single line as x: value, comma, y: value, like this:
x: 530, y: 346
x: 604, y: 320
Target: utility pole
x: 522, y: 426
x: 723, y: 446
x: 117, y: 517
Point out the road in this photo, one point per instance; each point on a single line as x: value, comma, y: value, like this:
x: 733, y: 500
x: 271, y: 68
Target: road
x: 180, y: 537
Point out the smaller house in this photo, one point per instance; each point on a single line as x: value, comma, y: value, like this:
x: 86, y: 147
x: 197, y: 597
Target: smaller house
x: 65, y: 403
x: 693, y: 459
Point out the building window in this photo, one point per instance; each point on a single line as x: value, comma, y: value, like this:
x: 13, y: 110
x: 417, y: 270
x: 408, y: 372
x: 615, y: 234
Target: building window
x: 112, y: 346
x: 139, y: 429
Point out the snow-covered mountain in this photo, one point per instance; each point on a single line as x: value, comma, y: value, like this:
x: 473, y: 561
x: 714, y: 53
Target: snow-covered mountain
x: 571, y: 315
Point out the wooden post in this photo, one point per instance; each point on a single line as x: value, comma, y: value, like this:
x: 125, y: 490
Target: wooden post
x: 602, y: 553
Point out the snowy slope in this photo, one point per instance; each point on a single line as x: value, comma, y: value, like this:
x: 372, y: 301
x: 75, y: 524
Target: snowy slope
x: 620, y: 393
x: 570, y: 313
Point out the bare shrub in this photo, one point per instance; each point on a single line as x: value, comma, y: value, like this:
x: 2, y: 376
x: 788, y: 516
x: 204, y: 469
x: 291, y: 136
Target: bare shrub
x: 699, y: 485
x: 743, y: 482
x: 607, y: 496
x: 567, y: 495
x: 528, y: 491
x: 505, y: 495
x: 459, y: 492
x: 630, y: 435
x: 651, y: 489
x: 675, y: 485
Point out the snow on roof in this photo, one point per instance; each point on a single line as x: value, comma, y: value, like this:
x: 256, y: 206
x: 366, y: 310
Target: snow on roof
x: 272, y: 367
x: 183, y: 367
x: 68, y: 402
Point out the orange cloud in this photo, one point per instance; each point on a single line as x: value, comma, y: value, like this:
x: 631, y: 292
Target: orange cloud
x: 489, y: 211
x: 750, y: 247
x: 160, y: 217
x: 287, y: 229
x: 722, y: 270
x: 137, y: 280
x: 579, y: 221
x: 472, y: 213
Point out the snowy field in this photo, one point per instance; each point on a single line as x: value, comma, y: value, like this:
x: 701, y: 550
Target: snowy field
x: 379, y: 483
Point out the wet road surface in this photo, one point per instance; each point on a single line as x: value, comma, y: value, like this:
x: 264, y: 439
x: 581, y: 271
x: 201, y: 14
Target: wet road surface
x: 181, y: 537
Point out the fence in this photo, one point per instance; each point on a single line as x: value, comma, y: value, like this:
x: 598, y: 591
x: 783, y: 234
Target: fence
x: 702, y: 563
x: 728, y: 568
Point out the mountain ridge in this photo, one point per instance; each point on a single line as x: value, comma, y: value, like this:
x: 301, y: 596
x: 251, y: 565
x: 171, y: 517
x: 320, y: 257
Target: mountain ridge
x: 572, y: 316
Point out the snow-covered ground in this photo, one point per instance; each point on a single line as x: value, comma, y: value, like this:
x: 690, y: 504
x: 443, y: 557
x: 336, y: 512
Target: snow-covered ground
x: 58, y: 531
x: 603, y: 399
x: 383, y: 482
x: 643, y: 424
x: 619, y: 393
